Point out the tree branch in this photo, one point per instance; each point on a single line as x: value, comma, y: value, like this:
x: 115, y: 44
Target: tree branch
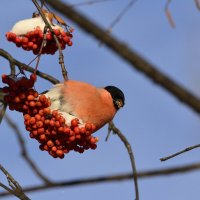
x: 16, y: 188
x: 112, y: 178
x: 134, y: 59
x: 23, y: 66
x: 115, y: 130
x: 180, y: 152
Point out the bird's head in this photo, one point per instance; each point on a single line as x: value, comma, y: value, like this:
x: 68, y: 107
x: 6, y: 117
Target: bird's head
x: 117, y: 96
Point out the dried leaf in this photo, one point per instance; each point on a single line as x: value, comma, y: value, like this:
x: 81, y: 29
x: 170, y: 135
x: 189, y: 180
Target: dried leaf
x: 197, y: 2
x: 50, y: 16
x: 59, y: 19
x: 45, y: 11
x: 169, y: 17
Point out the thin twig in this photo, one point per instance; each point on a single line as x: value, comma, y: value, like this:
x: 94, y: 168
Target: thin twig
x: 121, y: 14
x: 119, y: 17
x: 12, y: 68
x: 16, y: 188
x: 33, y: 60
x: 61, y: 56
x: 42, y: 3
x: 24, y: 151
x: 86, y: 3
x: 180, y: 152
x: 41, y: 47
x: 113, y: 178
x: 3, y: 107
x: 6, y: 188
x: 129, y: 55
x: 116, y: 131
x: 25, y: 67
x: 168, y: 14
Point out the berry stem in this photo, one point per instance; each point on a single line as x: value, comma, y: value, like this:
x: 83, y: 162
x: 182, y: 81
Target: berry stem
x: 40, y: 52
x: 61, y: 56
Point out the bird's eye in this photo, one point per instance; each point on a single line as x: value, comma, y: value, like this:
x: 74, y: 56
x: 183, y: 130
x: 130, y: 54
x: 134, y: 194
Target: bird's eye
x: 119, y: 103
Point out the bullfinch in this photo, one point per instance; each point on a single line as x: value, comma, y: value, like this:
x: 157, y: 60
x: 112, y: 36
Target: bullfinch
x: 76, y: 99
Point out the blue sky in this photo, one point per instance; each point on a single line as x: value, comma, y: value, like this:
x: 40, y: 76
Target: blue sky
x: 154, y: 122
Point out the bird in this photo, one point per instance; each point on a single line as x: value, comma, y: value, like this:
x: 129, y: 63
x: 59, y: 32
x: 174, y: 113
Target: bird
x: 87, y: 103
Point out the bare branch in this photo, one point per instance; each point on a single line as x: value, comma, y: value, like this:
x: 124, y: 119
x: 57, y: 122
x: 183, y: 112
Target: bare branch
x: 180, y: 152
x: 116, y: 131
x: 16, y: 188
x: 136, y: 61
x: 24, y: 151
x: 23, y: 66
x: 117, y: 177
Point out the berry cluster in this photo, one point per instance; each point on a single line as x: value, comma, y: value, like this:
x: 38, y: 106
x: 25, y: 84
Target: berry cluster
x: 47, y: 126
x: 32, y: 40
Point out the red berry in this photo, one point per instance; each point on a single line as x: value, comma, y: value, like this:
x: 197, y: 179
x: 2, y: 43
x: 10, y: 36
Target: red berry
x: 4, y: 78
x: 74, y: 122
x: 42, y: 137
x: 50, y: 143
x: 27, y: 117
x: 76, y: 130
x: 60, y: 153
x: 39, y: 124
x: 54, y: 149
x: 41, y: 131
x: 48, y: 36
x: 30, y: 97
x: 82, y: 130
x: 52, y: 123
x: 46, y: 111
x: 66, y: 130
x: 66, y: 39
x: 88, y: 126
x: 72, y: 138
x: 33, y: 77
x: 16, y: 99
x: 70, y: 43
x: 30, y: 45
x: 35, y: 46
x: 32, y: 104
x: 25, y: 40
x: 56, y: 31
x: 32, y: 120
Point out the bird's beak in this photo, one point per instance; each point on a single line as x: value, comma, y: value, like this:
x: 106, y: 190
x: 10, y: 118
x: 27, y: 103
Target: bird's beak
x: 119, y: 103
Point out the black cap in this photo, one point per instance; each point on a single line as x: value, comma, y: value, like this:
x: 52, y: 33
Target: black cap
x: 117, y: 96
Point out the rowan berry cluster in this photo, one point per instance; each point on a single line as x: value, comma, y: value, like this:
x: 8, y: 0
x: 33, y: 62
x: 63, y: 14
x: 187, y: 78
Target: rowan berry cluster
x: 32, y: 40
x: 47, y: 126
